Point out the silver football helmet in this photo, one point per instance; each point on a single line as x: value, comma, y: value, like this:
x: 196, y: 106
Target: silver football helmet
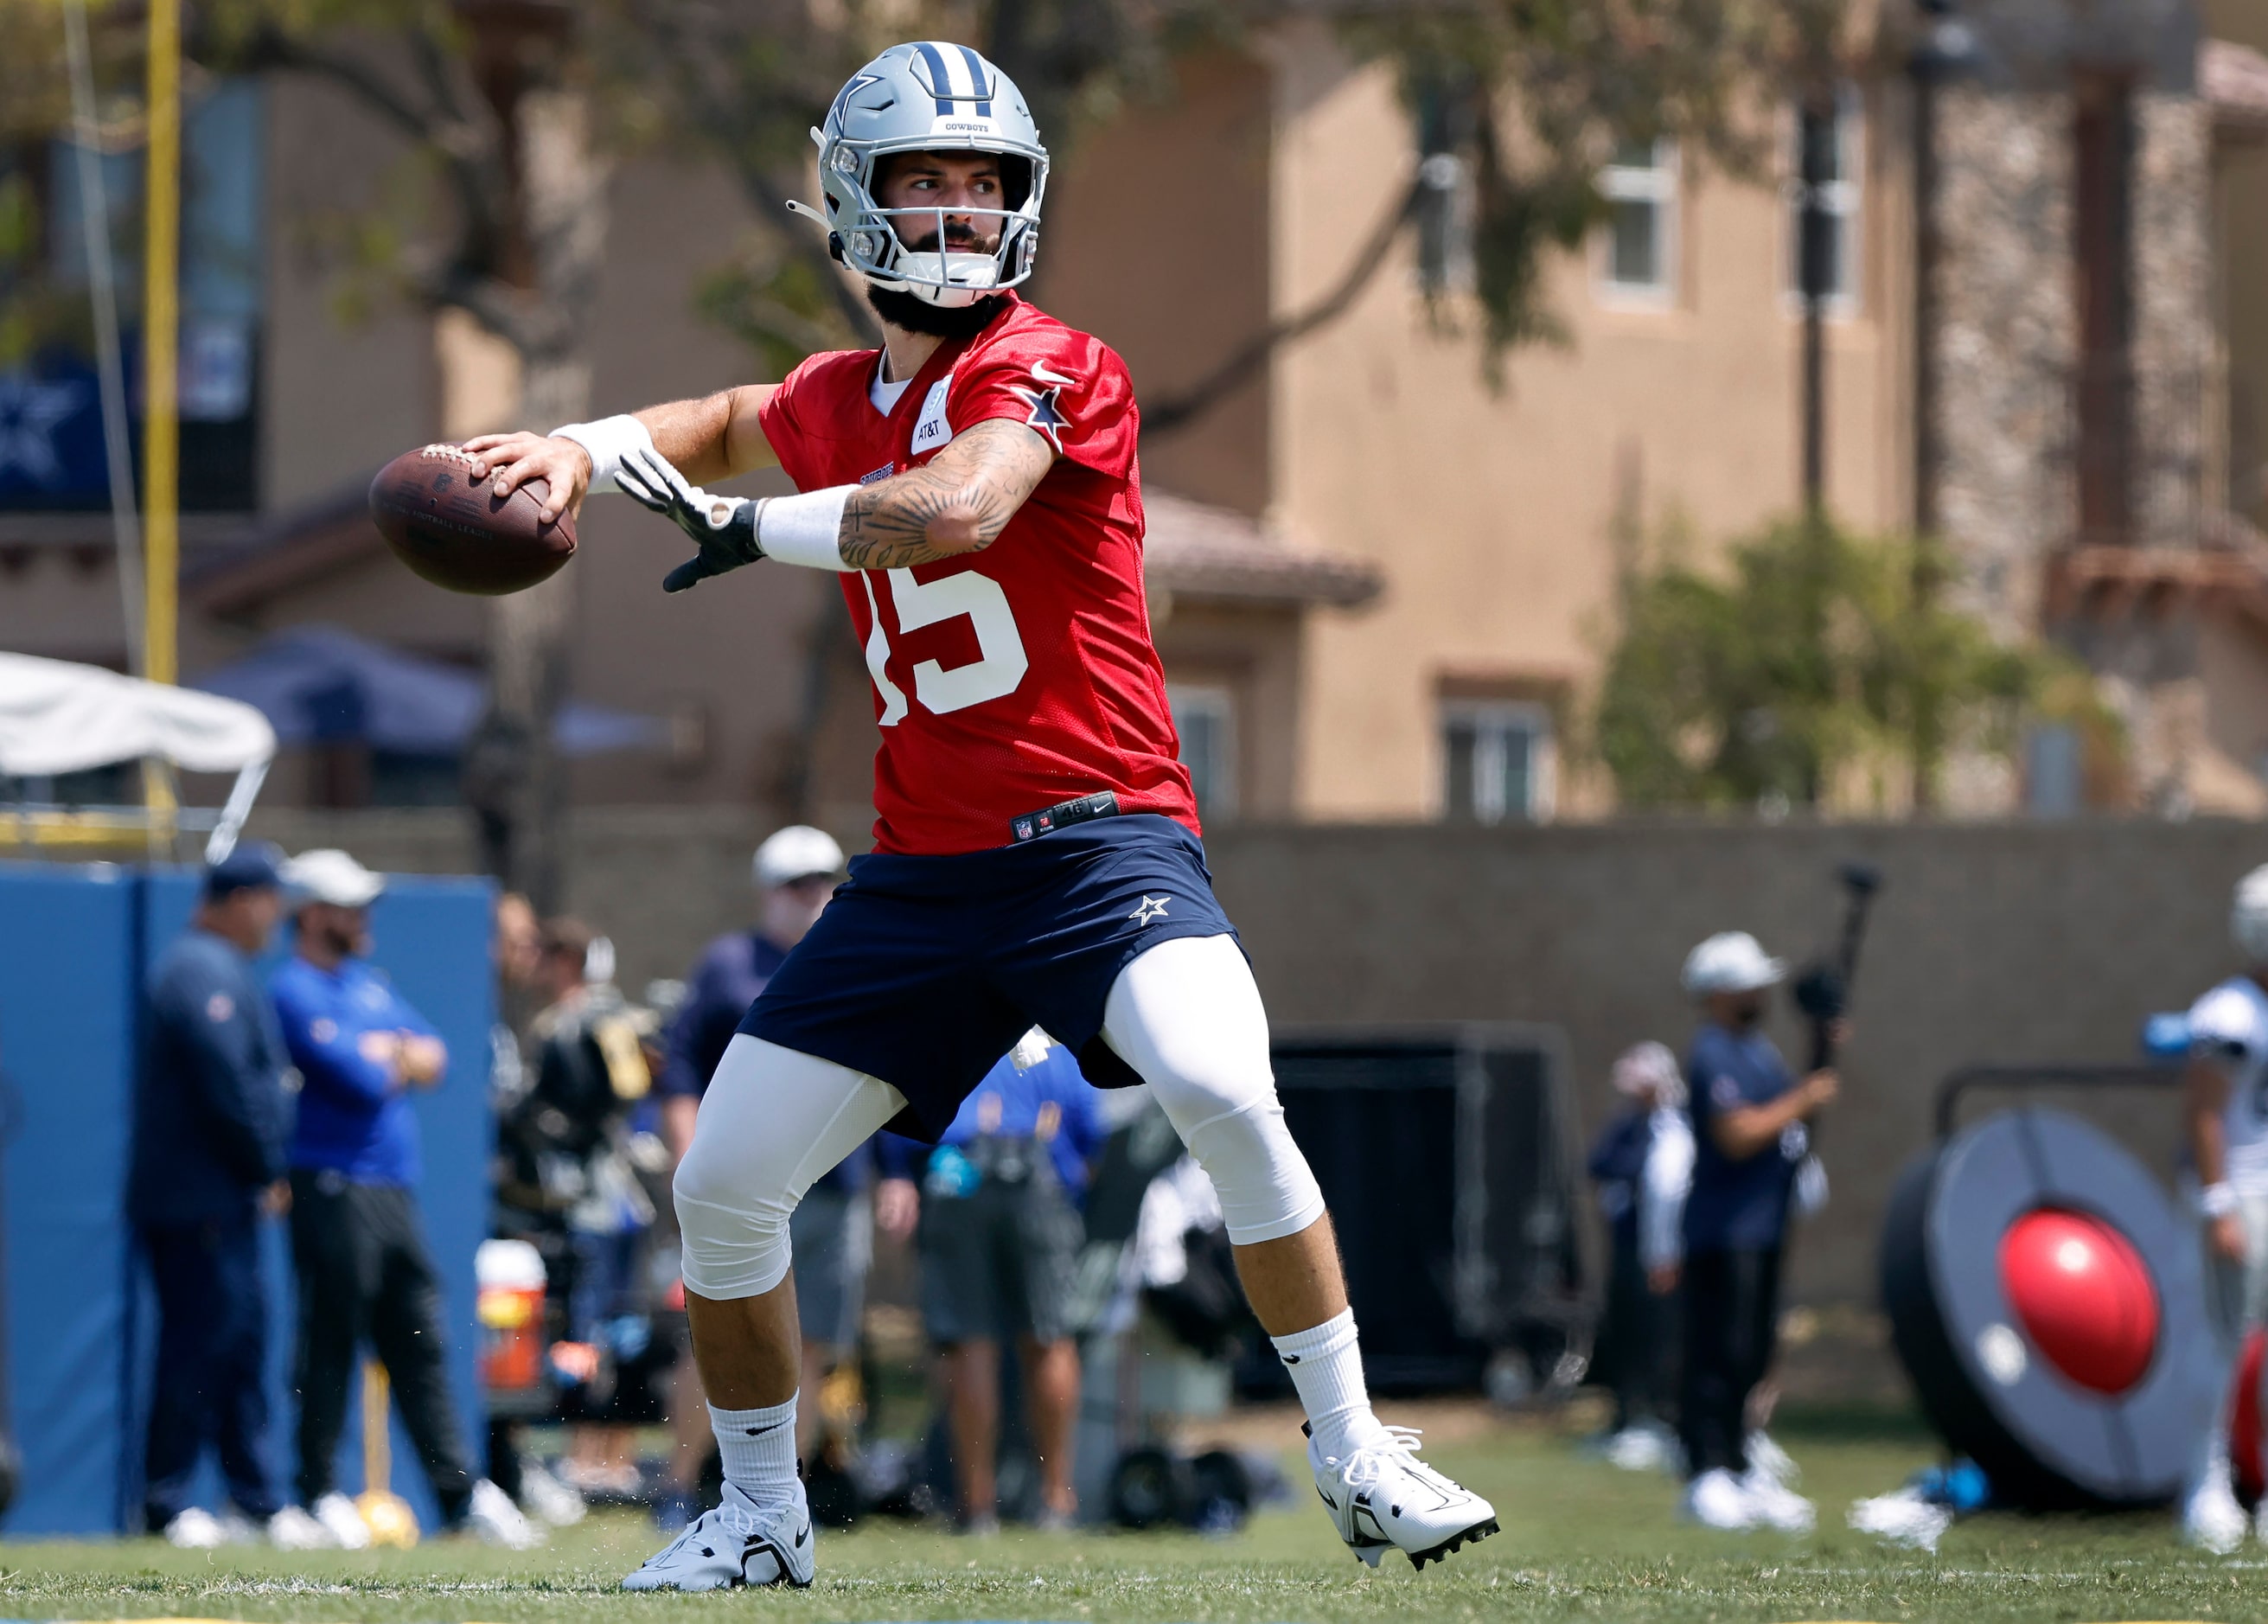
x: 929, y: 97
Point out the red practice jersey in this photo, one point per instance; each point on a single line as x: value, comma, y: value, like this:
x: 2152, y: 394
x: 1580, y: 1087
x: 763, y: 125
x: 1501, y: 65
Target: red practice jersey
x: 1015, y: 678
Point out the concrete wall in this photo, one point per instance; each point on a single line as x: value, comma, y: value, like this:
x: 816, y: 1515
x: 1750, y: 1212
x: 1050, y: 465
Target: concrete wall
x: 2006, y: 943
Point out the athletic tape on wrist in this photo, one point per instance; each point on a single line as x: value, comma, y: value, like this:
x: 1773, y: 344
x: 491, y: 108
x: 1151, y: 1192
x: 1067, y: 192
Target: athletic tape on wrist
x: 806, y: 529
x: 607, y: 440
x: 2217, y: 1200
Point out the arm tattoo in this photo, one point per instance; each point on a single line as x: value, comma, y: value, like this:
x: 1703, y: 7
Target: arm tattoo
x: 959, y: 503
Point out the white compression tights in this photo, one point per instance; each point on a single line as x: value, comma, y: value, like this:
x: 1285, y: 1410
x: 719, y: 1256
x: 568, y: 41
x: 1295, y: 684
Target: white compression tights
x: 1186, y: 1016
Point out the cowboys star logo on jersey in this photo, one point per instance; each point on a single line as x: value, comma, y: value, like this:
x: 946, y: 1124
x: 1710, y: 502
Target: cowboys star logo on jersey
x: 1047, y: 412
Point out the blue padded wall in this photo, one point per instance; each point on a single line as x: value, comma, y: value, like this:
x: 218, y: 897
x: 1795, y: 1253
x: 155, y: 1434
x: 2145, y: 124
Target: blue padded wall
x: 67, y: 969
x: 74, y: 942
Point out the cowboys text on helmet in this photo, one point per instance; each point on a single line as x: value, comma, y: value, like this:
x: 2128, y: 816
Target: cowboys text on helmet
x: 930, y: 97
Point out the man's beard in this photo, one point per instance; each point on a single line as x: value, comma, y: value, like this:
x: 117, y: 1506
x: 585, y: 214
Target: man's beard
x: 902, y: 310
x: 343, y: 940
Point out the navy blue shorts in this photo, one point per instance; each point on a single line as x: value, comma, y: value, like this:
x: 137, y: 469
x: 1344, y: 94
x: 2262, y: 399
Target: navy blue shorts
x: 925, y: 971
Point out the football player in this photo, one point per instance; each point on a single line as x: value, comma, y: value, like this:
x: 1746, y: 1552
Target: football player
x: 1035, y: 859
x: 2227, y: 1124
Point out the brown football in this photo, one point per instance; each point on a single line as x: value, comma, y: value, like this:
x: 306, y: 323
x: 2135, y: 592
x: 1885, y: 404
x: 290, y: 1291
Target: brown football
x: 453, y: 530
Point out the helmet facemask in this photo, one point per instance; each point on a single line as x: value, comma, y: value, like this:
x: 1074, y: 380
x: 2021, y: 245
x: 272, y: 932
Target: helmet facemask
x: 876, y: 241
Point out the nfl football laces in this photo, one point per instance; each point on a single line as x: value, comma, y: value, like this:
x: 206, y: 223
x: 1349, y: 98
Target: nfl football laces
x: 1381, y: 1497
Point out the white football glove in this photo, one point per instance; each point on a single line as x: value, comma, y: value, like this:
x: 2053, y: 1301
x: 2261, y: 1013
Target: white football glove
x: 723, y: 527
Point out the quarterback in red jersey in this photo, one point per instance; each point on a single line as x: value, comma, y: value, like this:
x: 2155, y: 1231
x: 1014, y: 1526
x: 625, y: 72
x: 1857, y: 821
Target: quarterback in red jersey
x: 1026, y: 676
x: 1036, y: 860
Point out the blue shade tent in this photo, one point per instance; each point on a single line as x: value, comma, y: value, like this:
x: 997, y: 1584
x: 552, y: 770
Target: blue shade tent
x: 319, y: 685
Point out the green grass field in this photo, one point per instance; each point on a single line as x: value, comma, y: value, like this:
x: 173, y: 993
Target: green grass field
x: 1581, y: 1540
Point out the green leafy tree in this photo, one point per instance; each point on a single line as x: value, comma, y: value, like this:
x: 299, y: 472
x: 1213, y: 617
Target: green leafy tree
x: 1519, y: 104
x: 1522, y: 102
x: 512, y: 111
x: 1804, y: 674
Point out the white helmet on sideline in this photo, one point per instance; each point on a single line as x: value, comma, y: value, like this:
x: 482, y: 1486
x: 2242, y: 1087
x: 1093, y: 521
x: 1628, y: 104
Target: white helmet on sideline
x: 797, y: 852
x: 2247, y: 916
x: 1731, y: 960
x: 930, y: 96
x: 1650, y: 1067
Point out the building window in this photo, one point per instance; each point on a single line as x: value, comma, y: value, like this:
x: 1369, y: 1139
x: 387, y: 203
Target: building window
x: 1206, y: 720
x: 1446, y: 201
x: 1838, y: 198
x: 1639, y: 253
x: 1445, y: 225
x: 1497, y: 761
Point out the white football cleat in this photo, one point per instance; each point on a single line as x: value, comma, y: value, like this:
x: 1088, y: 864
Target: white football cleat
x: 1643, y: 1446
x: 291, y: 1529
x: 197, y: 1529
x: 1381, y: 1497
x: 1716, y: 1500
x: 2211, y: 1518
x: 738, y: 1543
x: 493, y: 1519
x: 546, y: 1499
x: 1767, y: 1460
x: 1774, y: 1504
x: 337, y: 1514
x: 1901, y: 1516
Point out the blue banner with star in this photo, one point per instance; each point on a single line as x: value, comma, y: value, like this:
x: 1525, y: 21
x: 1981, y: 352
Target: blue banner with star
x: 51, y: 450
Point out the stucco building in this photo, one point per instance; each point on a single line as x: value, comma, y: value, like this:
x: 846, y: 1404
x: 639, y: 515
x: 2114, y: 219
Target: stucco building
x: 1383, y: 589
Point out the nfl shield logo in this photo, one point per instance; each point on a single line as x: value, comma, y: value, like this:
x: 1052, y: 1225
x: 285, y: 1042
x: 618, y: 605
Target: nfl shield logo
x: 1023, y: 829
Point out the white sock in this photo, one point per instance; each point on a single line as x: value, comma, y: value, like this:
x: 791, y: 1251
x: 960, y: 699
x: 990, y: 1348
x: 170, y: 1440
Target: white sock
x: 1326, y: 1366
x: 757, y: 1448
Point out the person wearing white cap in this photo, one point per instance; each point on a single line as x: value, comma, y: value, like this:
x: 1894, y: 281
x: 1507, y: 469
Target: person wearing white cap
x: 365, y: 1274
x: 2227, y: 1131
x: 1750, y: 1130
x: 795, y: 871
x: 1643, y: 1165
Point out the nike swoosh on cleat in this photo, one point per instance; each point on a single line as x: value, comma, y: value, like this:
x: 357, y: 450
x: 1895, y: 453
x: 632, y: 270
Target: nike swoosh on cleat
x: 805, y: 1535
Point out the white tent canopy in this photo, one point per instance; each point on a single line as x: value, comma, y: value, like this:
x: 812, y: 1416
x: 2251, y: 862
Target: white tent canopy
x: 56, y: 717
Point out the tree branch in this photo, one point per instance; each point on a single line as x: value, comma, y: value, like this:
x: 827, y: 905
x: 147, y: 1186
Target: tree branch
x: 272, y: 47
x: 1177, y: 410
x: 715, y: 114
x: 467, y: 153
x: 495, y: 306
x: 772, y: 205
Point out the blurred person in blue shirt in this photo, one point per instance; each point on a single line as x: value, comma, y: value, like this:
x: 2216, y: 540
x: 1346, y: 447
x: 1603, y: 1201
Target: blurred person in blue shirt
x: 363, y: 1269
x: 831, y: 1232
x: 999, y: 1233
x: 212, y: 1117
x: 1751, y: 1135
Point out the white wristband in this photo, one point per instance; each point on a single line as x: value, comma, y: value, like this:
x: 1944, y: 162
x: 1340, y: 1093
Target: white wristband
x: 607, y: 440
x: 806, y: 529
x: 2217, y: 1200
